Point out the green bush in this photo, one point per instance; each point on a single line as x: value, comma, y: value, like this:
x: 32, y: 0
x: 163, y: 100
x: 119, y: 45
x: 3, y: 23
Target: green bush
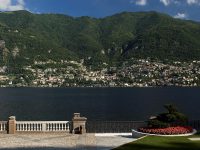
x: 171, y: 118
x: 157, y: 124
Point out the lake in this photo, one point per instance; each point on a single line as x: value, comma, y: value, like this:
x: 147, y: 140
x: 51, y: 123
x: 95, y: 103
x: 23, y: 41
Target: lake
x: 107, y: 104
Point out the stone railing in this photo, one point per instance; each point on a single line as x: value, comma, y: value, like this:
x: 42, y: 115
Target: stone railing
x: 3, y: 126
x: 12, y: 126
x: 42, y: 126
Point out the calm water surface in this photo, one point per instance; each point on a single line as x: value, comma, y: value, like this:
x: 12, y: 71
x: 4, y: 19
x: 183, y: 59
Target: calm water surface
x: 95, y: 103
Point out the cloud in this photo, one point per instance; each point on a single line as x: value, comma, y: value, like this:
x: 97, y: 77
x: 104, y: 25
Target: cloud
x: 168, y: 2
x: 141, y: 2
x: 181, y: 16
x: 165, y: 2
x: 193, y: 2
x: 7, y: 5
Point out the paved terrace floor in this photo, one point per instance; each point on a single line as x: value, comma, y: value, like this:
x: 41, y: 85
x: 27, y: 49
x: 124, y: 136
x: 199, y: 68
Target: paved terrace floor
x: 61, y: 141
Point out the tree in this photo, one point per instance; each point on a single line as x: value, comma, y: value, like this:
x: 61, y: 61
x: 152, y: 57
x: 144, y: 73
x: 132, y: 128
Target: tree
x: 171, y: 118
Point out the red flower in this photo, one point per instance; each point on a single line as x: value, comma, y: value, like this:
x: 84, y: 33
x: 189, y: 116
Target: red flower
x: 168, y: 131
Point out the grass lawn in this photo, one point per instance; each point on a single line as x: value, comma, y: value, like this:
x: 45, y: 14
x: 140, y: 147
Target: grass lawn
x: 162, y: 143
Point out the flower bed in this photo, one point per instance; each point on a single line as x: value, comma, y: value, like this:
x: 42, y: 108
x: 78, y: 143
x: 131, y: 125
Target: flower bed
x: 168, y: 131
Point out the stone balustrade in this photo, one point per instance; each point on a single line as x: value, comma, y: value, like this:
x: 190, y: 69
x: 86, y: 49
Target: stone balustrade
x: 3, y: 126
x: 42, y: 126
x: 77, y: 125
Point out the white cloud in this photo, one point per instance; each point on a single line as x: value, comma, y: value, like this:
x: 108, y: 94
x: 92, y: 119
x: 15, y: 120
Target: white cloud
x: 141, y: 2
x: 7, y: 5
x: 168, y: 2
x: 165, y: 2
x: 180, y: 16
x: 193, y: 2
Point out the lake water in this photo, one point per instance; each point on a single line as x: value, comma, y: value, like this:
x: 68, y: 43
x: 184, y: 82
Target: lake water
x: 96, y: 103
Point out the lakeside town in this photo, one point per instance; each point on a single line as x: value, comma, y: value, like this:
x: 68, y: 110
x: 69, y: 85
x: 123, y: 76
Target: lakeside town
x: 132, y: 73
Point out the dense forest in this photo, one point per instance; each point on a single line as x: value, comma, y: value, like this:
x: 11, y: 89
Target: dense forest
x: 27, y: 37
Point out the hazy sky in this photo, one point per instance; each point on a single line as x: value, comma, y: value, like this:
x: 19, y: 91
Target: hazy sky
x: 184, y: 9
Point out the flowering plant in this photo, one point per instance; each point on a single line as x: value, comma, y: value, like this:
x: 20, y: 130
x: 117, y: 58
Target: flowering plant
x: 168, y: 131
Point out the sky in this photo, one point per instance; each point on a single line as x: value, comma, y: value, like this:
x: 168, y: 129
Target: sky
x: 183, y: 9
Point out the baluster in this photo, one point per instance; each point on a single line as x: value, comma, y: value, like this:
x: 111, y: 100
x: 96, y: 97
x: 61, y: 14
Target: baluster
x: 17, y: 127
x: 49, y: 127
x: 38, y: 127
x: 34, y: 126
x: 22, y: 127
x: 64, y: 126
x: 67, y: 126
x: 28, y: 127
x: 31, y: 127
x: 58, y: 127
x: 53, y: 127
x: 1, y: 127
x: 25, y: 127
x: 61, y: 127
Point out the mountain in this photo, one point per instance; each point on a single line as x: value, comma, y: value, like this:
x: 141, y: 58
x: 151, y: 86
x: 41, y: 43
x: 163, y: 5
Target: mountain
x: 28, y: 37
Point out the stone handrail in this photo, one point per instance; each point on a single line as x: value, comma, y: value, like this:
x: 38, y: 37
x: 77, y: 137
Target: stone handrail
x: 42, y: 126
x: 3, y: 125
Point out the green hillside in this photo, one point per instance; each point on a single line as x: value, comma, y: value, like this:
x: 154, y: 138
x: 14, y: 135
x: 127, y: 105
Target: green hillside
x: 29, y: 37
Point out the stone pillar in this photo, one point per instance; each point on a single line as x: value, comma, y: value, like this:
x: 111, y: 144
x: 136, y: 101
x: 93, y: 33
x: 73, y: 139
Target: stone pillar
x: 79, y: 124
x: 12, y: 125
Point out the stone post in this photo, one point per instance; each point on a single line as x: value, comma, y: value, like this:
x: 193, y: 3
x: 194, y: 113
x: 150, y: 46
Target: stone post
x: 79, y: 124
x: 12, y: 125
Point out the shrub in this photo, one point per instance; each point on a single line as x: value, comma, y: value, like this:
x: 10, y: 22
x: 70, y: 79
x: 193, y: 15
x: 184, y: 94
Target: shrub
x: 171, y: 118
x: 157, y: 124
